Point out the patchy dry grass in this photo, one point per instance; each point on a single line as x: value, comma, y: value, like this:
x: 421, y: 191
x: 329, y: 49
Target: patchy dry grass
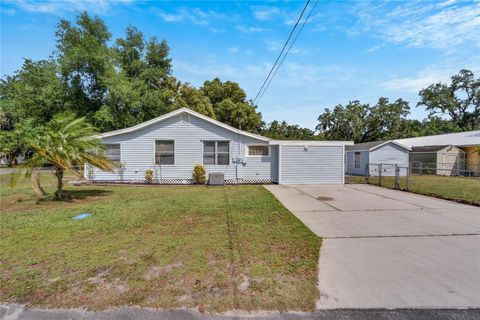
x: 214, y: 248
x: 461, y: 189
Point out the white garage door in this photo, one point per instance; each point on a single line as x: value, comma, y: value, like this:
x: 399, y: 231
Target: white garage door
x: 311, y: 164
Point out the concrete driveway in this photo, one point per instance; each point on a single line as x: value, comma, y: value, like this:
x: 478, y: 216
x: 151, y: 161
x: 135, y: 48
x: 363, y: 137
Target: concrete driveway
x: 384, y: 248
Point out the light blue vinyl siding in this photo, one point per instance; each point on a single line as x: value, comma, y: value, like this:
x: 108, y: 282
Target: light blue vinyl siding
x: 137, y: 152
x: 389, y: 155
x: 313, y: 165
x: 350, y: 165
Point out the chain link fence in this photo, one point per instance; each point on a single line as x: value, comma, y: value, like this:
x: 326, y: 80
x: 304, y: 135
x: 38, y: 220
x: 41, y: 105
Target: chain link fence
x: 401, y: 177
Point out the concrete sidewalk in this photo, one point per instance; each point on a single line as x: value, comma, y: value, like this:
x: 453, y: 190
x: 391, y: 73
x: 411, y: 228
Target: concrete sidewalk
x: 384, y: 248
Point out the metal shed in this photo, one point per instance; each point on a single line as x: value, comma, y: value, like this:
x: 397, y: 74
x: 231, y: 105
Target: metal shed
x: 377, y: 156
x: 468, y: 141
x: 440, y: 160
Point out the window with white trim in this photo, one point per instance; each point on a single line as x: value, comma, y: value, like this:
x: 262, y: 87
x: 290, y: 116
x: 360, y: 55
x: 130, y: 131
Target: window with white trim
x: 164, y: 152
x: 259, y: 150
x: 113, y: 152
x: 216, y: 152
x: 357, y: 160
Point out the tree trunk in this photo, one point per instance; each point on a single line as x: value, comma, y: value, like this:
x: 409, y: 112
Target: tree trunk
x: 11, y: 159
x: 37, y: 188
x: 60, y: 194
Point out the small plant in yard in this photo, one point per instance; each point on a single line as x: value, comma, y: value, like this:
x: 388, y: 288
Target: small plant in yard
x: 199, y: 174
x: 90, y: 172
x: 121, y: 169
x: 149, y: 175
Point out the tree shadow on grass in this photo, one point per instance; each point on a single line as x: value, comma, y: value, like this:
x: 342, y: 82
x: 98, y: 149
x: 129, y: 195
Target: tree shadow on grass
x: 85, y: 193
x: 80, y: 195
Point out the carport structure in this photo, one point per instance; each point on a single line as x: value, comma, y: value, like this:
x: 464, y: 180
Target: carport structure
x: 385, y: 248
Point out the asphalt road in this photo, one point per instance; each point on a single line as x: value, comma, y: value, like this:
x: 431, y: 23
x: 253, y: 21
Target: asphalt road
x: 17, y: 312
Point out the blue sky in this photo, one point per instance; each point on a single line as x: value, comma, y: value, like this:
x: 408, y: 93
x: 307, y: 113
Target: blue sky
x: 348, y: 50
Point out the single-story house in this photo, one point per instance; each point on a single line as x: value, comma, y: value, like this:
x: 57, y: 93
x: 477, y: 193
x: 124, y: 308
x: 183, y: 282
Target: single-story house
x: 384, y: 156
x: 440, y: 160
x: 172, y: 144
x: 468, y: 141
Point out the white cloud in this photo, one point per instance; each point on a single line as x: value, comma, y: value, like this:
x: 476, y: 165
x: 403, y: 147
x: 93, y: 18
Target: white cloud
x: 289, y: 17
x: 375, y: 48
x: 447, y: 3
x: 265, y: 13
x: 419, y: 24
x: 233, y: 50
x: 194, y: 15
x: 248, y: 29
x: 59, y: 6
x: 415, y: 83
x: 276, y: 46
x: 440, y: 72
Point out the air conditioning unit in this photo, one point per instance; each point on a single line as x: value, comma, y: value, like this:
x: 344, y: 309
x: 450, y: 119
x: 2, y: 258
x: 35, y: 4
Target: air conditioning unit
x: 216, y: 179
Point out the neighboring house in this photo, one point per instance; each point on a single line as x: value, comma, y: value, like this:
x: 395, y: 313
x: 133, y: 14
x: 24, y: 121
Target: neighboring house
x: 468, y: 141
x: 441, y: 160
x: 172, y: 144
x: 382, y: 156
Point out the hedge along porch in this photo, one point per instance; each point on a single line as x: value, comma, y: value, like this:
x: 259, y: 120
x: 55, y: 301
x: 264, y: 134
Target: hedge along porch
x: 171, y: 145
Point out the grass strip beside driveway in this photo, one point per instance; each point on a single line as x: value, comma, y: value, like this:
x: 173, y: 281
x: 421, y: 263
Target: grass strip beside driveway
x: 212, y: 248
x: 460, y: 189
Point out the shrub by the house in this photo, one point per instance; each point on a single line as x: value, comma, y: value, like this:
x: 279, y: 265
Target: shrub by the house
x: 199, y: 174
x: 149, y: 176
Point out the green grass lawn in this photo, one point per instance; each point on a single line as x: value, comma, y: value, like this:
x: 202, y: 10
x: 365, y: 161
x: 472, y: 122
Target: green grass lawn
x: 460, y: 189
x: 215, y: 248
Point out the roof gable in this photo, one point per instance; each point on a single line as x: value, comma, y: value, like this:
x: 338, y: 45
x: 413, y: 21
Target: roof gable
x: 370, y: 146
x: 176, y: 113
x: 433, y: 148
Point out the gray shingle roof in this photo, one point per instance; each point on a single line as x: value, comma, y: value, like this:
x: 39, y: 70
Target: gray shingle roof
x: 428, y: 148
x: 363, y: 146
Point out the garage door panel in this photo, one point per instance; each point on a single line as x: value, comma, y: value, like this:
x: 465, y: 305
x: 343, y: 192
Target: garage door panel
x: 311, y: 165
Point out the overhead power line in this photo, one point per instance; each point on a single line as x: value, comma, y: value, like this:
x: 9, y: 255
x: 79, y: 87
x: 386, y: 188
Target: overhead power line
x: 288, y: 50
x: 283, y: 49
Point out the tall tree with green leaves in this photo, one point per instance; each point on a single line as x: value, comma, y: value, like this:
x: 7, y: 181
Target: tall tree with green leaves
x: 35, y: 91
x: 192, y: 98
x: 84, y: 57
x: 14, y: 142
x: 28, y: 99
x: 459, y: 100
x: 363, y: 122
x: 66, y: 144
x: 284, y: 131
x: 138, y: 82
x: 347, y: 122
x: 386, y: 119
x: 230, y: 105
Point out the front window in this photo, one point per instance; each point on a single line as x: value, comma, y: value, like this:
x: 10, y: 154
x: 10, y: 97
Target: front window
x: 258, y: 150
x: 164, y: 152
x: 113, y: 152
x: 216, y: 152
x: 357, y: 160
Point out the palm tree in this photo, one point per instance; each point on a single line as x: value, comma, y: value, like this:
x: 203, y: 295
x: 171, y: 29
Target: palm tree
x: 66, y: 143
